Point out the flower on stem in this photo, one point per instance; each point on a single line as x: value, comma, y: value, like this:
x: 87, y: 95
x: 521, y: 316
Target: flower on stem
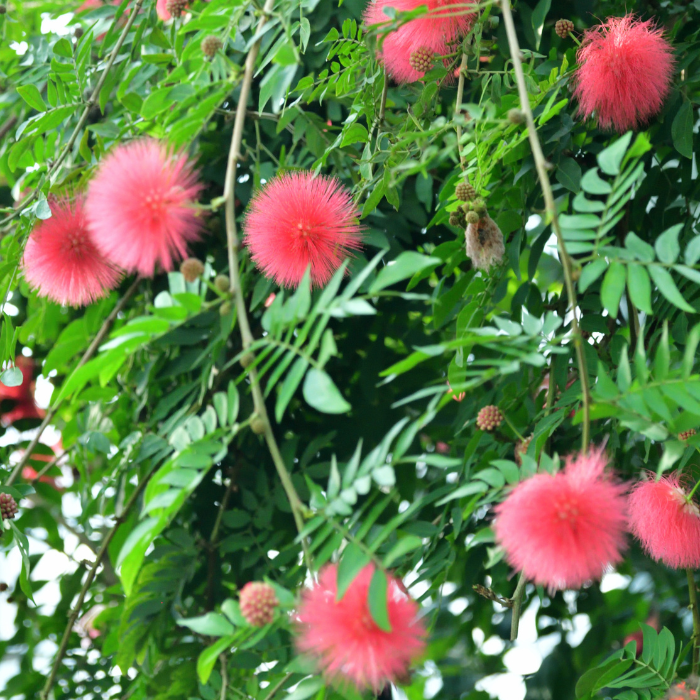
x: 435, y: 32
x: 297, y: 220
x: 666, y: 520
x: 624, y: 74
x: 61, y: 260
x: 345, y: 640
x: 562, y: 530
x: 141, y: 206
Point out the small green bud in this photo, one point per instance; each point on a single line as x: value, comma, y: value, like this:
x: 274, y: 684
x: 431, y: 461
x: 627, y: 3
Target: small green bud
x: 222, y: 283
x: 472, y: 217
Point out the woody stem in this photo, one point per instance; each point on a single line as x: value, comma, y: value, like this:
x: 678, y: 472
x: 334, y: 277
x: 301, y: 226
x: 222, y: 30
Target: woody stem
x: 696, y: 619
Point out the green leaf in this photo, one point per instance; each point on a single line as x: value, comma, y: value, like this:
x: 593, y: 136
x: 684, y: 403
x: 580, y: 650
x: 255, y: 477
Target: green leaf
x: 591, y: 273
x: 212, y: 624
x: 667, y: 246
x: 592, y: 183
x: 569, y: 171
x: 289, y: 386
x: 355, y: 133
x: 539, y: 14
x: 610, y: 159
x: 639, y: 287
x: 31, y: 95
x: 63, y: 48
x: 640, y: 249
x: 663, y: 280
x: 596, y: 678
x: 352, y: 562
x: 23, y: 546
x: 377, y: 600
x: 406, y: 265
x: 403, y: 546
x: 682, y: 130
x: 207, y: 659
x: 612, y: 288
x: 322, y: 394
x: 304, y: 33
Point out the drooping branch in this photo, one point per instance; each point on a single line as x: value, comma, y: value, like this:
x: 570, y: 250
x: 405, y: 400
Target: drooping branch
x: 88, y: 582
x: 92, y: 348
x: 236, y: 290
x: 551, y: 209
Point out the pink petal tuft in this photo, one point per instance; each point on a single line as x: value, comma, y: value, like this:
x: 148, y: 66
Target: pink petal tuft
x: 434, y: 31
x: 345, y: 640
x: 667, y: 525
x: 62, y: 261
x: 624, y: 74
x: 564, y: 529
x: 141, y: 206
x: 297, y: 220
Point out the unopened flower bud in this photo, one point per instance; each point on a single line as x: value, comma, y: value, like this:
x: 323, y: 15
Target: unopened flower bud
x: 191, y: 269
x: 176, y: 7
x: 421, y: 60
x: 225, y: 309
x: 78, y: 32
x: 472, y: 217
x: 257, y: 425
x: 247, y: 359
x: 563, y: 28
x: 516, y: 116
x: 465, y: 191
x: 222, y: 283
x: 8, y: 507
x: 258, y: 602
x: 210, y: 45
x: 3, y: 9
x: 489, y: 418
x: 686, y: 435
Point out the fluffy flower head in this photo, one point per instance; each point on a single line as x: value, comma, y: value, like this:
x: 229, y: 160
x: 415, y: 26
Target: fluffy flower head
x: 298, y: 220
x: 61, y: 260
x: 140, y: 206
x: 431, y: 33
x: 347, y: 643
x: 624, y: 74
x: 564, y: 529
x: 667, y: 525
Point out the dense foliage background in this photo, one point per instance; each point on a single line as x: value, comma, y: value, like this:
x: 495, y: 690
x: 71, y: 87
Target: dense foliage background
x: 385, y: 462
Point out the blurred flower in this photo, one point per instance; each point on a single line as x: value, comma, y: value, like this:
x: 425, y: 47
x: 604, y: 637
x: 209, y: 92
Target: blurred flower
x: 85, y: 626
x: 343, y: 637
x: 680, y: 691
x: 141, y: 206
x: 23, y: 406
x: 624, y: 74
x: 665, y: 521
x: 297, y: 220
x: 638, y: 636
x: 442, y: 447
x: 270, y: 300
x: 62, y: 262
x: 564, y: 529
x: 431, y: 33
x: 456, y: 397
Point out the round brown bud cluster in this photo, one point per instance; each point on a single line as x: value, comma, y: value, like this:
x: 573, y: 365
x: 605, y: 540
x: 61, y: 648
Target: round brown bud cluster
x: 191, y: 269
x: 78, y: 32
x: 421, y: 60
x: 465, y: 191
x: 176, y: 7
x: 521, y: 449
x: 563, y: 28
x: 489, y: 418
x: 258, y: 602
x: 516, y: 116
x: 686, y: 435
x: 3, y: 587
x: 472, y: 217
x: 210, y: 45
x: 457, y: 218
x: 8, y: 507
x: 222, y: 283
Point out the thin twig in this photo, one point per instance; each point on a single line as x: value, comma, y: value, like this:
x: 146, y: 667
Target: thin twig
x: 88, y: 582
x: 277, y: 687
x: 224, y: 677
x: 86, y: 112
x: 236, y: 290
x: 88, y: 354
x: 517, y: 599
x: 696, y: 620
x: 52, y: 463
x: 551, y: 208
x: 7, y: 125
x: 458, y: 108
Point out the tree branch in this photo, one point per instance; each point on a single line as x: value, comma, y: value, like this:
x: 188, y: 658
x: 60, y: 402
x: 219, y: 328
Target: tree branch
x: 237, y: 292
x: 88, y: 354
x: 551, y: 208
x: 88, y: 582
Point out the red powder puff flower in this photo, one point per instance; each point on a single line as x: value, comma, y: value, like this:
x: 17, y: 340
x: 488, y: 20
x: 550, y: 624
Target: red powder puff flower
x: 141, y: 206
x: 624, y: 73
x: 298, y: 220
x: 162, y: 10
x: 431, y: 33
x: 345, y: 640
x: 666, y: 523
x: 564, y: 529
x: 61, y: 260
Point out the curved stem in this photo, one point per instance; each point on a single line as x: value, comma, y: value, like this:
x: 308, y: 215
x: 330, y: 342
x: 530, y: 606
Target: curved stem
x: 88, y: 582
x: 92, y: 348
x: 458, y: 106
x: 551, y: 209
x: 692, y: 590
x: 236, y: 290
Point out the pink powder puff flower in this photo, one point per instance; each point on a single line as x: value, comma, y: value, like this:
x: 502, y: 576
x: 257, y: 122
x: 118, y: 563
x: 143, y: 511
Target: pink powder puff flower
x: 347, y: 643
x: 665, y: 522
x: 61, y: 260
x: 433, y: 32
x: 141, y: 206
x: 162, y: 10
x: 564, y: 529
x: 297, y: 220
x: 624, y: 74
